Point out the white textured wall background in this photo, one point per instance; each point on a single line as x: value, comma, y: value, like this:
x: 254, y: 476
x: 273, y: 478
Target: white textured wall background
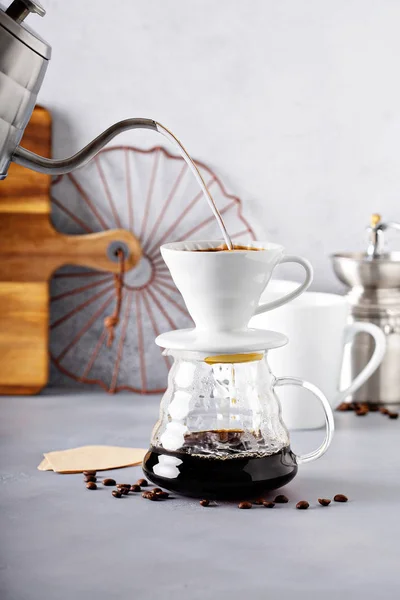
x: 295, y: 103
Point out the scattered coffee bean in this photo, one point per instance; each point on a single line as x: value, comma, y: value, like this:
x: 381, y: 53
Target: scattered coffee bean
x: 109, y: 482
x: 361, y: 409
x: 150, y: 496
x: 361, y: 412
x: 244, y: 504
x: 281, y: 499
x: 384, y: 411
x: 340, y: 498
x: 343, y: 407
x: 121, y: 486
x: 142, y: 482
x: 90, y: 478
x: 136, y: 488
x: 91, y: 485
x: 89, y: 473
x: 116, y: 494
x: 162, y: 495
x: 268, y: 504
x: 393, y: 415
x: 259, y: 501
x: 156, y: 489
x: 124, y: 490
x: 373, y: 407
x: 204, y: 502
x: 302, y: 505
x: 324, y: 501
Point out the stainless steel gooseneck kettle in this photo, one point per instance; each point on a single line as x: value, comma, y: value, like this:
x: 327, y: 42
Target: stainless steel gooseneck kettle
x: 24, y: 58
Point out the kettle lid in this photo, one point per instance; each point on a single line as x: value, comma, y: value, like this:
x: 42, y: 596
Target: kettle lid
x: 12, y: 18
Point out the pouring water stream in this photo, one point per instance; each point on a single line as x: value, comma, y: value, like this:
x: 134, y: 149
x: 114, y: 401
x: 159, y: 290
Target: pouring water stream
x: 174, y: 140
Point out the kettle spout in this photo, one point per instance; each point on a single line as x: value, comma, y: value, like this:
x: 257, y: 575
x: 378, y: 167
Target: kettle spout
x: 49, y: 166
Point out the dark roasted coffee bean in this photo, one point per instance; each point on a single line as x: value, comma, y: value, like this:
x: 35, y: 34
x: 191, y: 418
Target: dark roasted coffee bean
x: 162, y: 495
x: 373, y: 407
x: 343, y: 407
x: 124, y: 490
x: 156, y: 489
x: 149, y: 496
x: 259, y: 501
x: 204, y: 502
x: 244, y: 504
x: 142, y: 482
x: 89, y: 472
x: 268, y: 504
x: 340, y: 498
x: 135, y: 488
x: 324, y: 501
x: 384, y: 410
x: 121, y: 486
x: 91, y: 485
x: 302, y: 505
x: 109, y: 481
x: 361, y: 413
x: 90, y: 478
x: 152, y: 496
x: 281, y: 499
x: 393, y: 415
x: 116, y: 494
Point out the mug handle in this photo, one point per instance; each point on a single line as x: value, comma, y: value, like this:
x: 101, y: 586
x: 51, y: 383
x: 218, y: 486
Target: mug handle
x: 329, y: 421
x: 379, y: 352
x: 261, y: 308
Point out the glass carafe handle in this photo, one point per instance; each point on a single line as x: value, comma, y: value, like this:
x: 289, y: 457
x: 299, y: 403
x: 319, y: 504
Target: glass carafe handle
x: 329, y: 421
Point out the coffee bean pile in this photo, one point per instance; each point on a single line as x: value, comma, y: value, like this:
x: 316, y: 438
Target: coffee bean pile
x: 363, y: 408
x: 156, y: 494
x: 123, y: 489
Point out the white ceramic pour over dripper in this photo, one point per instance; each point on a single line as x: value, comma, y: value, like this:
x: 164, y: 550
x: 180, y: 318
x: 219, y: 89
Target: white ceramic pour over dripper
x: 222, y: 292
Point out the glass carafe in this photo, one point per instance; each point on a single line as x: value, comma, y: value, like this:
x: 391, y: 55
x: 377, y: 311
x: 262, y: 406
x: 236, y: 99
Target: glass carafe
x: 220, y: 432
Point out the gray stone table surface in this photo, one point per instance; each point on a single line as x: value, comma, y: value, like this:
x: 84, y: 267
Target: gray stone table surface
x: 60, y: 541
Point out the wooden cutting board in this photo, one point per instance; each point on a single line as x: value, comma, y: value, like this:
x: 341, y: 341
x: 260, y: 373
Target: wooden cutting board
x: 30, y: 251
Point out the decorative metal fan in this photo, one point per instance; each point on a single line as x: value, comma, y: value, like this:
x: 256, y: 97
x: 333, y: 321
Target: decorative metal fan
x: 152, y: 194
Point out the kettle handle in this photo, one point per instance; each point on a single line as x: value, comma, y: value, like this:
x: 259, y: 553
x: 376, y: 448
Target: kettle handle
x: 329, y: 421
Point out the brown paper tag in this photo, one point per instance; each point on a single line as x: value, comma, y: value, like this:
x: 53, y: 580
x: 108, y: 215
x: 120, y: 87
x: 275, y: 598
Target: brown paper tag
x: 93, y: 458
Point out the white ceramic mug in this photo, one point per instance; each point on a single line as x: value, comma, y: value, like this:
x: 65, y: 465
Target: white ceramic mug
x: 316, y: 325
x: 222, y: 290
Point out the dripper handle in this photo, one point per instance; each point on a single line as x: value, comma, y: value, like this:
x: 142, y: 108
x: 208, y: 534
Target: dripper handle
x: 292, y: 295
x: 329, y: 420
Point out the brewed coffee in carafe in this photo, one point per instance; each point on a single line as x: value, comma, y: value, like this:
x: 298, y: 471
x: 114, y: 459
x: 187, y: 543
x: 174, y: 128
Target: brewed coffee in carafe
x: 220, y: 432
